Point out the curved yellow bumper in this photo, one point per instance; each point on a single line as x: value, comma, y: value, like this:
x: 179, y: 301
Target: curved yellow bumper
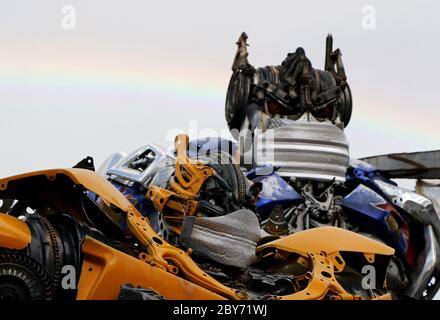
x: 14, y: 233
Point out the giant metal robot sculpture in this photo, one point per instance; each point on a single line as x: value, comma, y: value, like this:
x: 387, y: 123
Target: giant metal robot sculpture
x: 288, y: 90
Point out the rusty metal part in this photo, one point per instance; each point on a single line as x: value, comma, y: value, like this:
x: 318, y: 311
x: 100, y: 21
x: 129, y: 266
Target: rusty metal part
x: 185, y: 185
x: 277, y: 224
x: 172, y: 206
x: 163, y: 198
x: 190, y: 175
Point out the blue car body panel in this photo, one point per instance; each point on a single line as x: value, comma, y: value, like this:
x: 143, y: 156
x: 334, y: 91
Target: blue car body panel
x: 275, y: 191
x: 136, y: 196
x: 362, y: 205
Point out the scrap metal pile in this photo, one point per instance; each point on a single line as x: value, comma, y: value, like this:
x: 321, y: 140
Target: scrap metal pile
x: 285, y: 214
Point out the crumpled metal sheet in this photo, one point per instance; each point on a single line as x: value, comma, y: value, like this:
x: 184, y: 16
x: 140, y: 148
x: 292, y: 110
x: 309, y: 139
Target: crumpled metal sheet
x: 230, y: 239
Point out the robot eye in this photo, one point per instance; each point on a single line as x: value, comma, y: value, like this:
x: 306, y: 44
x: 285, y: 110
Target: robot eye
x: 324, y: 113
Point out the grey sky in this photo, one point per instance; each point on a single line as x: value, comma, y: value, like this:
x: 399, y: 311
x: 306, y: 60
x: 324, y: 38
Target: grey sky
x: 134, y: 69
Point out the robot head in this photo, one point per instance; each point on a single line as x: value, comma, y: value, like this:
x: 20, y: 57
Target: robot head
x: 288, y: 90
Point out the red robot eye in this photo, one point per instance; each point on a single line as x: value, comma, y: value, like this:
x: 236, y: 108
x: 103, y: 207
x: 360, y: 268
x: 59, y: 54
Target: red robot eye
x: 274, y: 107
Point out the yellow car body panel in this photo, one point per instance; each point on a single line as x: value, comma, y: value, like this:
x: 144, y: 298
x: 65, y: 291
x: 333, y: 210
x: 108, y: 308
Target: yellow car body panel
x: 105, y: 269
x: 160, y: 251
x: 330, y: 240
x: 169, y: 270
x: 89, y: 179
x: 14, y: 233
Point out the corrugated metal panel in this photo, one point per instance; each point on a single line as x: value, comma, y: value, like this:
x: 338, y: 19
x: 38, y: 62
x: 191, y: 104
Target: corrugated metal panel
x: 305, y: 150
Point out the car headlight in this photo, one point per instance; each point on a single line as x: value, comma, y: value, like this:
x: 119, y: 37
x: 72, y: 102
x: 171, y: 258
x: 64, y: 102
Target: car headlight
x: 418, y: 206
x: 401, y: 196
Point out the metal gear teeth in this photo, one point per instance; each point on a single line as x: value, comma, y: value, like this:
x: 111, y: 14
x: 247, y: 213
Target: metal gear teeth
x: 33, y: 266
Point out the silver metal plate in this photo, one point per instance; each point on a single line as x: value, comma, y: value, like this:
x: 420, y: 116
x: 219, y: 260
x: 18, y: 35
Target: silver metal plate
x: 309, y: 150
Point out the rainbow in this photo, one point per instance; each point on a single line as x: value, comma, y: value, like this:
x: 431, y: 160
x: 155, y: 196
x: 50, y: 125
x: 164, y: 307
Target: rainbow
x: 106, y: 80
x: 369, y: 116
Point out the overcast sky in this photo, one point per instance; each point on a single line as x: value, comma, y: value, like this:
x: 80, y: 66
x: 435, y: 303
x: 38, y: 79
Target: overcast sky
x: 133, y: 70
